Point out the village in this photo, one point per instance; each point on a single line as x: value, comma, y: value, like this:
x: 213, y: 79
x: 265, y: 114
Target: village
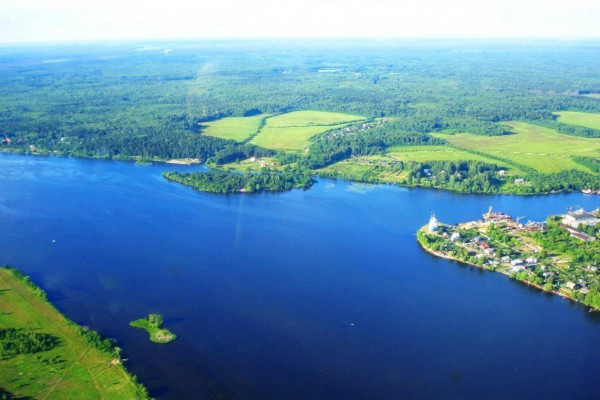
x: 560, y: 255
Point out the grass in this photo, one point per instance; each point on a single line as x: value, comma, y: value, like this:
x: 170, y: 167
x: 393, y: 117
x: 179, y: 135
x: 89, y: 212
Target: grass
x: 540, y: 148
x: 434, y: 153
x: 592, y: 95
x: 72, y: 370
x: 292, y: 131
x: 589, y: 120
x: 234, y: 128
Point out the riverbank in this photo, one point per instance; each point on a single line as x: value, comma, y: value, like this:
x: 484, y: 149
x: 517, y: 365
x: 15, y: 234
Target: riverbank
x: 546, y: 255
x: 45, y: 355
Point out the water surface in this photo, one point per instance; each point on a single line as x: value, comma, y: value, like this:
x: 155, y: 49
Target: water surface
x: 320, y: 294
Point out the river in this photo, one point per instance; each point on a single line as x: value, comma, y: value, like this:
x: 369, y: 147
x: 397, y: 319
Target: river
x: 320, y: 294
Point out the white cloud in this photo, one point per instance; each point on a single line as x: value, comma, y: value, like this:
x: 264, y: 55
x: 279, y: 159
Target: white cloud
x: 39, y: 20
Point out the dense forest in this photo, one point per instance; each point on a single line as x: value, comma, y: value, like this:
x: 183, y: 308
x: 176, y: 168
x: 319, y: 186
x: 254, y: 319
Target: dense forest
x: 218, y: 181
x: 148, y: 102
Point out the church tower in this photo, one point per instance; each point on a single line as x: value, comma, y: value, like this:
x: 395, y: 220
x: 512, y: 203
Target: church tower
x: 433, y: 224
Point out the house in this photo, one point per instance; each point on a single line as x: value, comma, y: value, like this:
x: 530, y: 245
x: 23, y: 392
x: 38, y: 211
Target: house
x: 531, y: 261
x: 455, y: 236
x: 484, y: 245
x: 502, y: 172
x: 571, y: 285
x: 489, y: 251
x: 580, y: 217
x: 584, y: 291
x: 505, y: 259
x: 516, y: 261
x: 252, y: 159
x: 519, y: 181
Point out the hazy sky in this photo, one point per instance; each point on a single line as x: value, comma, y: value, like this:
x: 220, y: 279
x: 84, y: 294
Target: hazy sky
x: 58, y: 20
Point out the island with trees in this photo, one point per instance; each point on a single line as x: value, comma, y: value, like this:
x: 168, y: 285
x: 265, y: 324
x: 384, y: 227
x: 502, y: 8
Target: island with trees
x: 45, y: 355
x: 560, y: 255
x: 154, y: 326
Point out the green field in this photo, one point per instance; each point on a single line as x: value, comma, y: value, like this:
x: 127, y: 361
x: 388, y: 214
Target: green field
x: 233, y: 128
x: 434, y: 153
x: 592, y: 95
x: 71, y: 370
x: 292, y: 131
x: 540, y: 148
x: 589, y: 120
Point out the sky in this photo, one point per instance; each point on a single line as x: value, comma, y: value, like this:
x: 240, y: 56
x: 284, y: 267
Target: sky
x: 93, y: 20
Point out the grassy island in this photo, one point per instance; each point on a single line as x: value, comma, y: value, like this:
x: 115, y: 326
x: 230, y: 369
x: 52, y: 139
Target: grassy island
x: 218, y: 181
x: 153, y: 324
x: 44, y: 355
x: 560, y: 255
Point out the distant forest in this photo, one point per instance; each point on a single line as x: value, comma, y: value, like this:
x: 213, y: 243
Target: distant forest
x: 148, y: 102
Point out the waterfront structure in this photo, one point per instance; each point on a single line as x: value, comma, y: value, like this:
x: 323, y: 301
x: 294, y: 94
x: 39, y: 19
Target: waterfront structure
x: 580, y: 217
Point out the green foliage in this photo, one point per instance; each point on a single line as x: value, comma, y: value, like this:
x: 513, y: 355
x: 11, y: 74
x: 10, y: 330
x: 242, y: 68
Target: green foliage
x: 96, y: 340
x: 156, y: 320
x: 218, y: 181
x: 557, y: 239
x: 20, y: 341
x: 35, y: 289
x: 592, y: 163
x: 44, y: 354
x: 117, y: 102
x: 153, y: 325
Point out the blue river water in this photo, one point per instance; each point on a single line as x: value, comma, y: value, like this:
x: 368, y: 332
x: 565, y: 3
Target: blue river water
x: 320, y: 294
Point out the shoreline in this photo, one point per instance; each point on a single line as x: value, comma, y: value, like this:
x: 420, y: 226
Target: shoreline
x: 505, y: 273
x: 26, y: 308
x: 315, y: 173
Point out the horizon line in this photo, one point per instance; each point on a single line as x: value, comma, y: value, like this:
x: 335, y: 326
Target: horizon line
x: 305, y: 39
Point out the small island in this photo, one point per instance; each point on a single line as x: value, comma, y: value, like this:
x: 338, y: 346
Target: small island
x: 153, y: 324
x: 560, y: 255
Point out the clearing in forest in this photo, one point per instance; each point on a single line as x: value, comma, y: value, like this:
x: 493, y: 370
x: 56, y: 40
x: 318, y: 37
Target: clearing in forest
x: 589, y: 120
x: 537, y: 147
x: 292, y: 131
x: 435, y: 153
x: 234, y: 128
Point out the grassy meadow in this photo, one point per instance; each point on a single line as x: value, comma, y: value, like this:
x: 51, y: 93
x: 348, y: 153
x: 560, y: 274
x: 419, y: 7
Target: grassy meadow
x: 234, y: 128
x: 71, y: 370
x: 540, y: 148
x: 292, y: 131
x: 589, y: 120
x: 434, y: 153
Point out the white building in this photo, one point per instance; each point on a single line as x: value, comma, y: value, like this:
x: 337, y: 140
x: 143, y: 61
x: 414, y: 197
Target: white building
x: 580, y: 217
x: 455, y: 236
x: 433, y: 224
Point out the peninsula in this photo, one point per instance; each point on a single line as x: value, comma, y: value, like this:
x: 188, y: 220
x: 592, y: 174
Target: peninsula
x: 560, y: 255
x: 45, y: 355
x: 217, y: 181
